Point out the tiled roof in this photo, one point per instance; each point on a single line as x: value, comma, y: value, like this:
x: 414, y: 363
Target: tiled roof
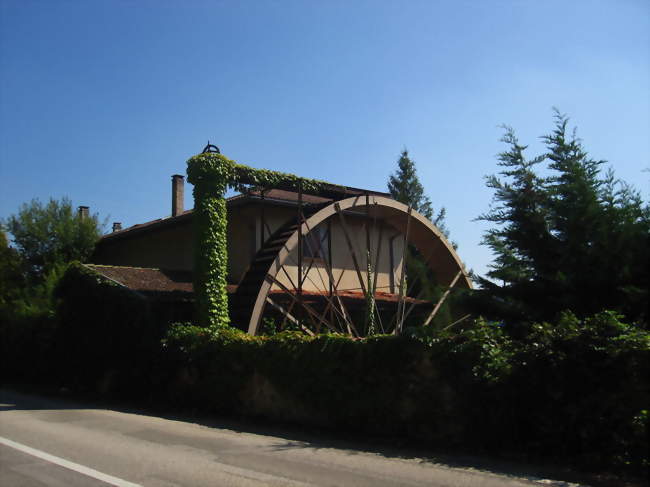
x: 151, y: 281
x: 147, y: 280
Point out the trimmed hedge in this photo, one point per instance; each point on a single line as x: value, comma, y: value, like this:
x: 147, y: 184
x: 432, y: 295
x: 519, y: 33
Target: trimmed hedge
x: 572, y: 392
x: 106, y: 335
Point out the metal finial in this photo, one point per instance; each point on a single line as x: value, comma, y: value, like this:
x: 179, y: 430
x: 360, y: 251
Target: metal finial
x: 213, y: 149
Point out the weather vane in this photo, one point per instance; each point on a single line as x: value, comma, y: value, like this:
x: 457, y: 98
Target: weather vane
x: 211, y: 149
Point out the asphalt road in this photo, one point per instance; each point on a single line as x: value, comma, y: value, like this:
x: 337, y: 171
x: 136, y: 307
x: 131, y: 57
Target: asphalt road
x: 50, y: 441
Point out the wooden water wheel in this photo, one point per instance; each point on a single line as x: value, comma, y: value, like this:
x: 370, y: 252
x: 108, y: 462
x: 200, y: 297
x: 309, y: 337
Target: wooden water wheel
x: 339, y: 267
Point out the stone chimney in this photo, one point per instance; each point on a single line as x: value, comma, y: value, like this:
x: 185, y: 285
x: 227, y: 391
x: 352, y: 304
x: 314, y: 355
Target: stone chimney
x: 117, y: 226
x: 82, y: 212
x: 178, y: 183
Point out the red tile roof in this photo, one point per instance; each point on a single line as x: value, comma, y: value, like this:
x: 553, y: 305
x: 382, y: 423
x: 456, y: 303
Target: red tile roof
x: 151, y: 281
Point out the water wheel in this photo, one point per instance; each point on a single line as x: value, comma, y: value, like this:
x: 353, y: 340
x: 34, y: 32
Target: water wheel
x: 339, y: 267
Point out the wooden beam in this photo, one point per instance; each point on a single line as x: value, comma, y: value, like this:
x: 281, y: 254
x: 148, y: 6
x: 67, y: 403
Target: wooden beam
x: 310, y: 311
x: 442, y: 299
x: 399, y: 324
x: 348, y: 240
x: 334, y: 287
x: 289, y: 316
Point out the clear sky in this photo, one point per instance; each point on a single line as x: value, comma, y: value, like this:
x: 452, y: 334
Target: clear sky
x: 102, y: 101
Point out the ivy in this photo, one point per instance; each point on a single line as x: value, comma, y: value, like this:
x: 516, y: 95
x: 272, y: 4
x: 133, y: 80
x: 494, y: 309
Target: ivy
x: 212, y: 174
x: 244, y: 175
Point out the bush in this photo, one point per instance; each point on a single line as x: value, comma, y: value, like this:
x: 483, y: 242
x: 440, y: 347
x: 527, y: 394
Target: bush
x: 106, y: 334
x: 571, y: 391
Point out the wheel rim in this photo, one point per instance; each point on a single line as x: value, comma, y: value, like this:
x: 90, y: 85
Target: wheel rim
x: 438, y: 254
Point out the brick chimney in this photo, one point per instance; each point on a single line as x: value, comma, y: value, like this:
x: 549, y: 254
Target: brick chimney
x: 82, y: 212
x: 178, y: 183
x: 117, y: 226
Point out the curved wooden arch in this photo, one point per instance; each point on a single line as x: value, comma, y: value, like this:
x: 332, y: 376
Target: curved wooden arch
x: 441, y: 256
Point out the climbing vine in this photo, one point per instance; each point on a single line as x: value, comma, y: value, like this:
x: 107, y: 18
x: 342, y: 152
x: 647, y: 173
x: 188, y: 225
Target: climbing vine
x: 211, y: 174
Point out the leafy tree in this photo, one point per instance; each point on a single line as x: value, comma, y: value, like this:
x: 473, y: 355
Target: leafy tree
x: 49, y: 235
x: 11, y: 276
x: 574, y: 239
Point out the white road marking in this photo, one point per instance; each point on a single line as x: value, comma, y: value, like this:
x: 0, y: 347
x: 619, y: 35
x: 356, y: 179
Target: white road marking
x: 109, y: 479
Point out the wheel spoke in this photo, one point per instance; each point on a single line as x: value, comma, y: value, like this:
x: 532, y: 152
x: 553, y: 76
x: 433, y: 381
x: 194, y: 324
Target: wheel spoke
x: 410, y: 288
x: 350, y: 246
x: 334, y: 285
x: 442, y: 299
x: 310, y: 311
x: 400, y: 322
x: 289, y: 316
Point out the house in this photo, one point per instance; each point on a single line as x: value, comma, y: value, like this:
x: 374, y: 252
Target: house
x: 351, y: 242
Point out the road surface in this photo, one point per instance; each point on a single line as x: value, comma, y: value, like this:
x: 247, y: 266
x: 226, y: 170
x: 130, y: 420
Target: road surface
x: 56, y: 442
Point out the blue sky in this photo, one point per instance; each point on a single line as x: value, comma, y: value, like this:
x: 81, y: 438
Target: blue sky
x: 102, y: 101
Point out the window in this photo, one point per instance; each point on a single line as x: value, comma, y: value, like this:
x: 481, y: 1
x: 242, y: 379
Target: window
x: 315, y: 244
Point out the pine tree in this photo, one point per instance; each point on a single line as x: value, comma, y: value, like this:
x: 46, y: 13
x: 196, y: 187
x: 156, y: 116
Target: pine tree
x: 576, y: 239
x: 520, y: 213
x: 405, y: 187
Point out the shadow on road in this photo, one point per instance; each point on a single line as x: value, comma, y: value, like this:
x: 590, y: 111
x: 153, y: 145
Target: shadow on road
x: 290, y: 437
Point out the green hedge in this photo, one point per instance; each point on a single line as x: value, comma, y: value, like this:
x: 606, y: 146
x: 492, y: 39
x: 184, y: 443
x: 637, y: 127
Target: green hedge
x: 572, y: 391
x: 106, y: 336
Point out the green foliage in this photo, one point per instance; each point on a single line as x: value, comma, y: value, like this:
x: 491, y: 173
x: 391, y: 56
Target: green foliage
x: 211, y: 258
x: 46, y: 238
x: 12, y: 280
x: 405, y: 187
x: 104, y: 331
x: 211, y: 174
x: 582, y: 385
x: 576, y: 239
x: 264, y: 178
x: 51, y: 235
x: 573, y: 391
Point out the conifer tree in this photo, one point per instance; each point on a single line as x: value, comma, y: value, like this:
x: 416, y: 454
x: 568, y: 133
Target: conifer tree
x: 405, y: 187
x: 575, y: 239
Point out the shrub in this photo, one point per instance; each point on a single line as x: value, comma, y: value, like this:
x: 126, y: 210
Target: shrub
x: 574, y: 391
x: 106, y: 335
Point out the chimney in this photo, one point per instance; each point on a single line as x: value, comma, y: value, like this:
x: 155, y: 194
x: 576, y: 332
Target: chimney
x: 178, y: 182
x: 117, y: 226
x: 82, y: 212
